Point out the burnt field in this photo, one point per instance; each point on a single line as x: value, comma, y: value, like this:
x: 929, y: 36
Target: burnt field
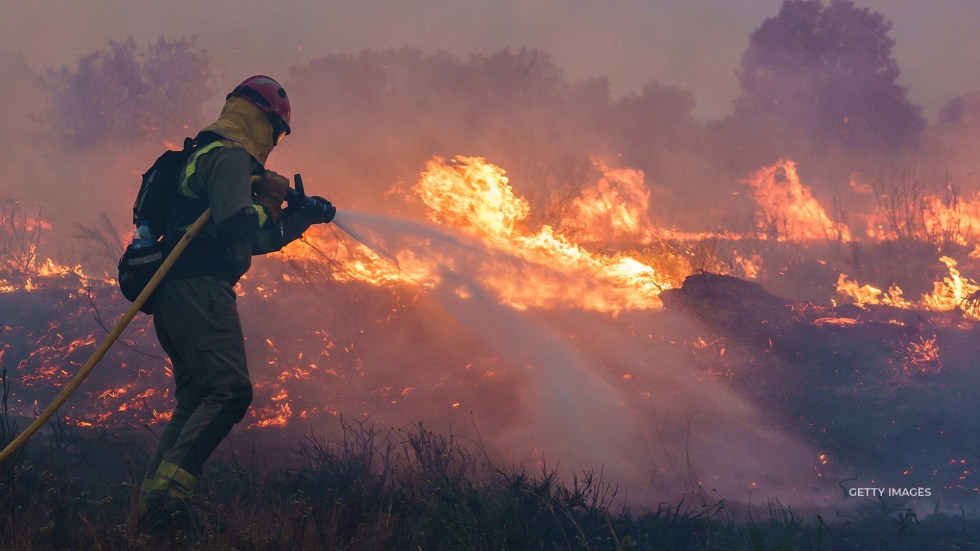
x: 550, y: 313
x: 388, y: 413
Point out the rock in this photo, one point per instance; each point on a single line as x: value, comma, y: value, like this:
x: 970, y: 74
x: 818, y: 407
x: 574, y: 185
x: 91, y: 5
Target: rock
x: 730, y: 304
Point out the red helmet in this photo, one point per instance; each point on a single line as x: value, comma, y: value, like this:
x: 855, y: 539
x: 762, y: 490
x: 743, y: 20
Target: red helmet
x: 266, y: 93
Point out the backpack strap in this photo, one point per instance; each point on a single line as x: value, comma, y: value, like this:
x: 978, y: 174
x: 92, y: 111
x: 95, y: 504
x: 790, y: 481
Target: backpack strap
x: 201, y: 257
x: 191, y: 167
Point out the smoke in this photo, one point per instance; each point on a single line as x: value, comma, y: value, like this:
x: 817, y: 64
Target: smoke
x: 372, y: 105
x: 682, y: 434
x: 366, y: 123
x: 17, y: 124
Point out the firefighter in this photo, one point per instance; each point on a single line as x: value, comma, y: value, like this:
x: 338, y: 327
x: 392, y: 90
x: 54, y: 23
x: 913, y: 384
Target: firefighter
x: 194, y: 309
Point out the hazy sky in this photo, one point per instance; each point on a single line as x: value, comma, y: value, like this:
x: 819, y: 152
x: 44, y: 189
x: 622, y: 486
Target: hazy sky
x: 694, y: 44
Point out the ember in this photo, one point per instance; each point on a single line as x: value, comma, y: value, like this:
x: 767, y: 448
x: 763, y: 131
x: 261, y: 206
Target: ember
x: 367, y: 298
x: 588, y: 298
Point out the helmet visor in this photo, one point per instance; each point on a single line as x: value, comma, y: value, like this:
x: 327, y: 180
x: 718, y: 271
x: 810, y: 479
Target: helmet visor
x: 279, y: 128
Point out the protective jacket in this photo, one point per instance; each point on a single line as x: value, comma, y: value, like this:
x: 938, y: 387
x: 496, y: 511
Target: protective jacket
x: 219, y: 175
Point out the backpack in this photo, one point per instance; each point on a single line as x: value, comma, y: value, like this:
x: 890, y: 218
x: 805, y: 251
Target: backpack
x: 146, y: 253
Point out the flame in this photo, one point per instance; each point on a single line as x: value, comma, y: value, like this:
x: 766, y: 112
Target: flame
x: 954, y: 221
x: 276, y: 413
x: 523, y: 268
x: 38, y: 276
x: 748, y: 268
x: 788, y: 210
x: 614, y: 209
x: 471, y: 194
x: 954, y: 292
x: 866, y: 294
x: 475, y: 196
x: 340, y: 260
x: 605, y: 255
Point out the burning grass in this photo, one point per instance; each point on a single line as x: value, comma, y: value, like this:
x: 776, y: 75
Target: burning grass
x: 364, y: 489
x: 558, y: 340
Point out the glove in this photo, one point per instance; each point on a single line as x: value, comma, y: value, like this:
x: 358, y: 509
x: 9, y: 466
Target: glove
x: 270, y: 191
x: 324, y: 211
x: 296, y: 220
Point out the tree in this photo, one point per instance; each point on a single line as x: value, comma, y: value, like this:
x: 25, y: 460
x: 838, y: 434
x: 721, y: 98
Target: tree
x: 828, y: 72
x: 122, y: 93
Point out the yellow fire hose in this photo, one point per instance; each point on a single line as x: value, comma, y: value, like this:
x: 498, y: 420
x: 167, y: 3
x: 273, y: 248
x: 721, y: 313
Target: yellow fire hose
x: 107, y: 343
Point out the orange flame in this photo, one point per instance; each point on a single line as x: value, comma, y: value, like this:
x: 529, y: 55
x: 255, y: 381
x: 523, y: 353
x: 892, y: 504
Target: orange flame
x: 788, y: 210
x: 472, y: 195
x: 524, y: 267
x: 866, y: 294
x: 954, y: 292
x: 521, y: 268
x: 614, y: 209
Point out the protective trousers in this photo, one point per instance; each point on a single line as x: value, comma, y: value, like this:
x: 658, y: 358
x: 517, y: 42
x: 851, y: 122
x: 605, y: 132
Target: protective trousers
x: 196, y: 320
